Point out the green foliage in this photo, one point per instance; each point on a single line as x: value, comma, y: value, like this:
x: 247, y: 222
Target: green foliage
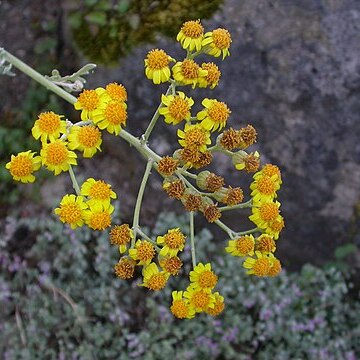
x: 60, y: 300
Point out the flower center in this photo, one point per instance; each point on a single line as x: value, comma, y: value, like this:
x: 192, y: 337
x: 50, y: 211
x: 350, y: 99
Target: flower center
x: 201, y: 299
x: 89, y: 99
x: 277, y: 225
x: 275, y: 269
x: 100, y: 190
x: 21, y: 165
x: 89, y: 136
x: 179, y: 309
x: 266, y: 244
x: 100, y: 220
x: 145, y: 251
x: 265, y: 185
x: 179, y: 108
x: 219, y: 112
x: 244, y: 245
x: 157, y: 59
x: 195, y: 136
x: 70, y: 213
x: 261, y: 267
x: 124, y: 269
x: 49, y: 122
x: 271, y: 170
x: 193, y: 29
x: 57, y: 153
x: 190, y: 69
x: 214, y: 73
x: 269, y: 211
x: 208, y: 279
x: 115, y: 113
x: 221, y: 38
x: 120, y: 235
x: 174, y: 240
x: 116, y: 91
x: 172, y: 265
x: 157, y: 282
x: 234, y: 196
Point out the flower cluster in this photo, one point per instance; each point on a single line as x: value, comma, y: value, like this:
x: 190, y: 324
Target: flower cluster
x: 200, y: 136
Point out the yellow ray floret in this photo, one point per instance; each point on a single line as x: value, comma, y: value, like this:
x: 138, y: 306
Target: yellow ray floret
x: 121, y: 235
x: 48, y: 126
x: 72, y: 210
x: 144, y: 252
x: 22, y: 166
x: 86, y: 139
x: 172, y: 242
x: 97, y: 191
x: 153, y: 278
x: 57, y: 157
x: 264, y: 188
x: 214, y: 116
x: 90, y: 100
x: 199, y: 299
x: 259, y: 266
x: 188, y: 72
x: 177, y: 108
x: 157, y: 66
x: 242, y: 246
x: 98, y: 216
x: 111, y: 116
x: 116, y: 91
x: 191, y: 35
x: 212, y: 78
x: 180, y: 307
x: 218, y: 306
x: 195, y: 137
x: 263, y: 213
x: 217, y: 43
x: 203, y: 277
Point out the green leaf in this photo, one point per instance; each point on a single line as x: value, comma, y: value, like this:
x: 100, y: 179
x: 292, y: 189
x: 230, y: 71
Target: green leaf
x: 343, y: 251
x: 123, y: 6
x: 97, y: 17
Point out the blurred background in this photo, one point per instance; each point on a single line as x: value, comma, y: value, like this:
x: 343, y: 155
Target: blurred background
x: 294, y: 74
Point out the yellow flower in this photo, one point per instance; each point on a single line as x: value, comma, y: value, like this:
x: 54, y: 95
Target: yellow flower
x: 218, y: 306
x: 144, y: 252
x: 264, y: 188
x: 167, y: 165
x: 191, y: 35
x: 110, y: 116
x: 116, y: 91
x: 188, y: 72
x: 275, y: 266
x: 153, y: 278
x: 214, y: 116
x: 124, y: 269
x: 213, y: 76
x: 241, y: 246
x: 259, y: 266
x: 202, y: 277
x: 173, y: 242
x: 97, y: 191
x: 157, y: 66
x: 270, y: 170
x: 121, y: 235
x: 86, y: 139
x: 57, y: 157
x: 274, y: 227
x: 72, y: 210
x: 172, y: 264
x: 195, y: 137
x: 180, y: 307
x: 48, y: 126
x: 177, y: 108
x: 265, y: 244
x: 90, y: 100
x: 98, y: 216
x: 199, y: 299
x: 22, y: 166
x: 263, y: 213
x: 244, y: 161
x: 217, y: 43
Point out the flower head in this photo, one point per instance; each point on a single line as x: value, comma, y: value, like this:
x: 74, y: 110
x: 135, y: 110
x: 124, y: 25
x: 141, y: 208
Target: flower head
x: 157, y: 66
x: 217, y: 43
x: 172, y: 264
x: 194, y: 136
x: 274, y: 227
x: 218, y: 306
x: 177, y: 108
x: 167, y: 165
x: 275, y: 266
x: 86, y: 139
x: 230, y: 139
x: 180, y: 307
x: 98, y: 191
x: 263, y: 213
x: 22, y: 166
x: 264, y: 188
x: 124, y: 269
x: 98, y: 216
x: 191, y: 35
x: 57, y: 157
x: 144, y: 252
x: 90, y: 100
x: 260, y: 266
x: 265, y: 244
x: 153, y: 278
x: 172, y: 242
x: 175, y: 189
x: 111, y: 116
x: 116, y: 91
x: 72, y: 210
x: 199, y: 299
x: 244, y: 161
x: 213, y: 75
x: 203, y: 277
x: 188, y: 72
x: 214, y: 116
x: 121, y: 235
x: 272, y: 171
x: 48, y: 126
x: 242, y: 246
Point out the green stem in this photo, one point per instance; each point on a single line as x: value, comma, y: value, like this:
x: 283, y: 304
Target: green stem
x: 192, y: 239
x: 139, y: 198
x: 148, y: 238
x: 225, y: 228
x: 190, y: 185
x: 247, y: 232
x: 244, y: 205
x: 145, y: 136
x: 37, y: 76
x: 74, y: 181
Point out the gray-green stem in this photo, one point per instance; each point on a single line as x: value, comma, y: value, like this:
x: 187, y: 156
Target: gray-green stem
x: 74, y: 181
x: 192, y: 239
x: 244, y: 205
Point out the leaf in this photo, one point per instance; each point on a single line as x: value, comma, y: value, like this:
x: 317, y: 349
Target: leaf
x: 123, y: 6
x: 97, y: 17
x: 343, y: 251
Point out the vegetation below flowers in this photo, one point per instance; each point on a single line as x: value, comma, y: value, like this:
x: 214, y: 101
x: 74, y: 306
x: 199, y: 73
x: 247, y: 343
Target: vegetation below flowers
x: 60, y: 300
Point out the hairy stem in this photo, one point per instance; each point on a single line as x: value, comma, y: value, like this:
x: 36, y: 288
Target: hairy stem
x: 192, y: 239
x: 244, y: 205
x: 75, y: 184
x: 247, y: 232
x: 139, y: 198
x: 225, y: 228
